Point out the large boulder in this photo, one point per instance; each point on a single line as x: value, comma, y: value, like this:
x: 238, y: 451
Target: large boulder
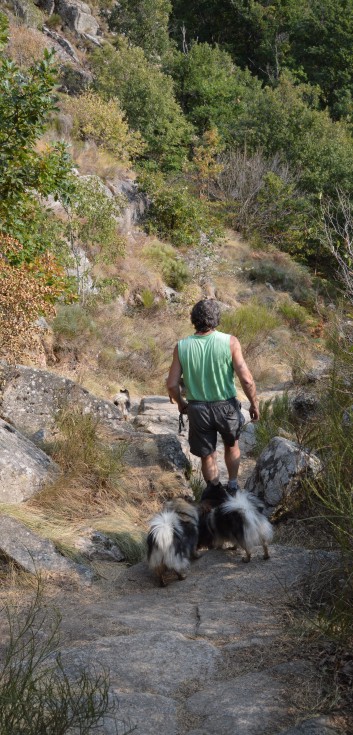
x: 30, y: 399
x: 35, y: 554
x: 280, y: 470
x: 77, y: 16
x: 24, y: 469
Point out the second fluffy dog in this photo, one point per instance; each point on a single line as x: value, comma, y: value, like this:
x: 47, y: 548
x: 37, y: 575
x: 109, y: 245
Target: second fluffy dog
x: 238, y: 519
x: 172, y: 539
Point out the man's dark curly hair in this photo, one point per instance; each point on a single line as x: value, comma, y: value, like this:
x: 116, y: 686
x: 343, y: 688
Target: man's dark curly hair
x: 205, y: 315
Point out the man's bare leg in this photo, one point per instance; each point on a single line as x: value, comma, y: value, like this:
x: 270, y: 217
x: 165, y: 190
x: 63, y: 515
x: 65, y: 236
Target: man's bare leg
x: 232, y: 460
x: 209, y: 468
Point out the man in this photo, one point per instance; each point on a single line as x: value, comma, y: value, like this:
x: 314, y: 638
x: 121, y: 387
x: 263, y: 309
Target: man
x: 207, y: 361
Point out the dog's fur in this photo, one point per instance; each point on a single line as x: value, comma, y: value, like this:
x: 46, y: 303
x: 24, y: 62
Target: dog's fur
x: 172, y: 539
x: 238, y: 519
x: 122, y: 400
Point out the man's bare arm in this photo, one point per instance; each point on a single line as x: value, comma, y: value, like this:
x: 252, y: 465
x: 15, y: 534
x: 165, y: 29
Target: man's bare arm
x: 246, y: 379
x: 173, y: 382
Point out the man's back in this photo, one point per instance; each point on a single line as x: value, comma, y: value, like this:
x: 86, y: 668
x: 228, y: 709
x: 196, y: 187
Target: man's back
x: 207, y: 366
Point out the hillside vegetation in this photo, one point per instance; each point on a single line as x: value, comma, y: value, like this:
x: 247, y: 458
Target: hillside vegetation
x: 233, y: 121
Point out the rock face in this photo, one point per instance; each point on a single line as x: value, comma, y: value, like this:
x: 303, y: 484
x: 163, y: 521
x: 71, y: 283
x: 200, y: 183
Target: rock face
x: 33, y: 553
x: 31, y: 398
x: 279, y: 471
x: 24, y: 469
x: 136, y: 202
x: 77, y: 16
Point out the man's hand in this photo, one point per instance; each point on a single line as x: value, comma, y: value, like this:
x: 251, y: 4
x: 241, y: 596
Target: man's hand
x: 173, y: 383
x: 254, y: 411
x: 183, y: 406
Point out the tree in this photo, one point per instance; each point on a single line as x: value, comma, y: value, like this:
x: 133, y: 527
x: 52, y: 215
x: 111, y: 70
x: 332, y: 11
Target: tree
x: 26, y: 101
x: 337, y: 236
x: 205, y: 160
x: 256, y: 34
x: 288, y: 120
x: 321, y: 43
x: 147, y: 96
x: 145, y: 23
x: 211, y: 89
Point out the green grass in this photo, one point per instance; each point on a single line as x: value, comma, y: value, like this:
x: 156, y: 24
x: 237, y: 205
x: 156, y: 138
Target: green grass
x: 251, y: 324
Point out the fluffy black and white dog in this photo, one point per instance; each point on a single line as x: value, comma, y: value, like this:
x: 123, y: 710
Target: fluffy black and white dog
x: 122, y: 400
x: 238, y: 519
x: 172, y: 539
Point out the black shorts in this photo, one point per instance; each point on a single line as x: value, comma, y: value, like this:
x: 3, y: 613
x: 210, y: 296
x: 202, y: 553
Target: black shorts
x: 208, y: 418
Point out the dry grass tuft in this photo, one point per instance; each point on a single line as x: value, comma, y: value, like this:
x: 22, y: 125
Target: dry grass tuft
x: 26, y: 45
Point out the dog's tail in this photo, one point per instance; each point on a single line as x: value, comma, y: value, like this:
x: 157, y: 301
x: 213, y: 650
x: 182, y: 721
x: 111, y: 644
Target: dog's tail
x: 257, y: 528
x: 165, y: 547
x: 162, y: 529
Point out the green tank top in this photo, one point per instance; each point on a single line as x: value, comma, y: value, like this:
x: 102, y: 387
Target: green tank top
x: 207, y: 367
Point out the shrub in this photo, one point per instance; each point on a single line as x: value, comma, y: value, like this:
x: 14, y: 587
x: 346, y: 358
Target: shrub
x: 71, y: 321
x: 211, y: 89
x: 27, y: 290
x: 251, y: 324
x: 275, y: 414
x: 26, y: 101
x: 175, y: 272
x: 54, y: 21
x: 73, y: 81
x: 174, y: 213
x: 295, y: 315
x: 134, y: 549
x: 147, y: 298
x: 145, y: 23
x: 283, y: 273
x: 92, y: 219
x: 92, y: 469
x: 37, y: 695
x: 103, y: 122
x: 25, y: 46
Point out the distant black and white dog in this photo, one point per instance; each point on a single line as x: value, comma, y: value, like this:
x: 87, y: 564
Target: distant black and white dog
x: 172, y: 539
x: 237, y: 519
x: 122, y: 400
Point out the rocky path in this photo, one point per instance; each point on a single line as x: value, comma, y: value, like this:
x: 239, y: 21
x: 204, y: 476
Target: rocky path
x: 216, y: 654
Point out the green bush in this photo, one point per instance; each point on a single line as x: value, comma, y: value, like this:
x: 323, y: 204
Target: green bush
x: 294, y: 314
x: 174, y: 213
x: 175, y: 272
x: 211, y: 89
x: 71, y: 321
x: 251, y: 324
x: 92, y: 218
x: 145, y: 24
x: 54, y: 21
x: 27, y: 98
